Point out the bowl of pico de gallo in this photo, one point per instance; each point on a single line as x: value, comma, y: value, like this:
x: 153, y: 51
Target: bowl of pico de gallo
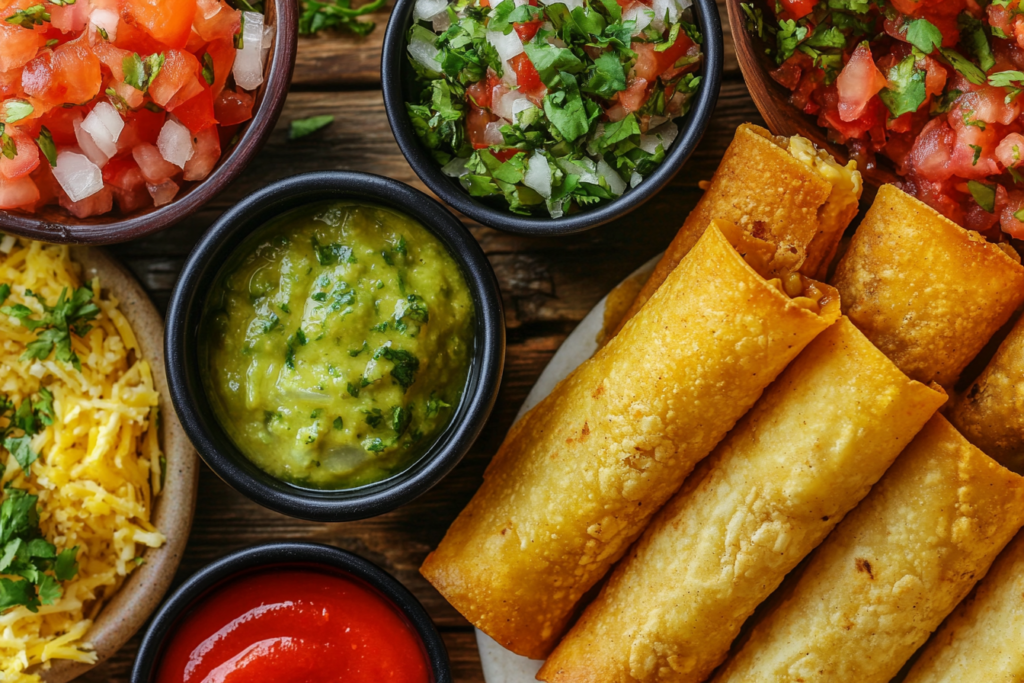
x: 550, y: 118
x: 119, y: 118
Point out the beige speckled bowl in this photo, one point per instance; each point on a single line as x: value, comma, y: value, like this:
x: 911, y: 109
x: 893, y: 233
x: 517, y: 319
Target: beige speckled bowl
x: 145, y: 588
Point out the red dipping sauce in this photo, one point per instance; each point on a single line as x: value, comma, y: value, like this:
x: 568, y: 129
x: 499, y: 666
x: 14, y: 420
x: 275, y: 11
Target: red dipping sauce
x: 295, y: 625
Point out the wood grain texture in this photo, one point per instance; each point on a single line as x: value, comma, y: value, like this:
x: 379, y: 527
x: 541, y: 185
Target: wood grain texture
x: 548, y: 285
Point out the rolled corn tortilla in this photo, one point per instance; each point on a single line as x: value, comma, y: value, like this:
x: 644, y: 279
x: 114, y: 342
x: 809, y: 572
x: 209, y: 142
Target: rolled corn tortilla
x: 779, y: 189
x: 580, y: 475
x: 892, y: 570
x: 990, y: 413
x: 982, y: 641
x: 811, y: 448
x: 928, y: 293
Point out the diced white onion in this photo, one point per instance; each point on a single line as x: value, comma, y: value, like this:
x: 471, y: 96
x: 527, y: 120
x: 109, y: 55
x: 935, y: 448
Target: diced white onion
x: 175, y: 143
x: 660, y: 7
x: 506, y: 105
x: 538, y: 175
x: 440, y: 22
x: 104, y: 19
x: 79, y: 177
x: 584, y: 168
x: 555, y: 208
x: 507, y: 46
x: 268, y: 42
x: 663, y: 135
x: 456, y: 168
x: 104, y: 124
x: 508, y: 75
x: 425, y: 9
x: 163, y: 193
x: 88, y: 146
x: 492, y: 133
x: 635, y: 179
x: 641, y: 14
x: 520, y: 106
x: 615, y: 182
x: 424, y: 53
x: 248, y: 67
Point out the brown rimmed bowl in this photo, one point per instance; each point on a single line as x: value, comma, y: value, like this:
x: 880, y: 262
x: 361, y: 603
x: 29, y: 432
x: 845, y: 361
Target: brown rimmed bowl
x: 140, y: 595
x: 54, y: 224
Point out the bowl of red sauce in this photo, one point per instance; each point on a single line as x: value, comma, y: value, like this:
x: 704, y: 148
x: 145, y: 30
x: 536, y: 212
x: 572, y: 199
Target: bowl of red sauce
x: 297, y: 612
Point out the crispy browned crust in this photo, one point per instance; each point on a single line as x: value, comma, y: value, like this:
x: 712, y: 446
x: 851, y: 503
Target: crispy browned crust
x: 766, y: 191
x: 891, y: 571
x: 577, y: 478
x: 808, y: 452
x: 928, y: 293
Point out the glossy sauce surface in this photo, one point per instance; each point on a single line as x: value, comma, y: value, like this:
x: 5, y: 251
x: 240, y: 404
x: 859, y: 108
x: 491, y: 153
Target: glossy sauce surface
x: 295, y: 625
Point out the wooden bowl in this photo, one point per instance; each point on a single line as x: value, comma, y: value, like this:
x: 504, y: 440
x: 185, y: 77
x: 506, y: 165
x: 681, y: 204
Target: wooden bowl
x: 54, y: 224
x: 139, y: 596
x: 772, y: 99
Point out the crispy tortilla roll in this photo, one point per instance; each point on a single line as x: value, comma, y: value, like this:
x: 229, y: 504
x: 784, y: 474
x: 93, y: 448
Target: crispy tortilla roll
x: 891, y: 571
x: 779, y: 189
x: 577, y: 478
x: 991, y: 412
x: 807, y: 453
x: 983, y: 640
x: 928, y: 293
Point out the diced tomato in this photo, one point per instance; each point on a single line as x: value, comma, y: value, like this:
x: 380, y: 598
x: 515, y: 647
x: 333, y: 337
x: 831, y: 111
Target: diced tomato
x: 68, y: 75
x: 1008, y: 222
x: 125, y: 179
x: 216, y: 20
x: 17, y: 46
x: 163, y: 193
x: 858, y: 82
x: 111, y: 57
x: 480, y: 92
x: 133, y: 39
x: 60, y: 123
x: 977, y: 218
x: 10, y: 84
x: 180, y: 72
x: 527, y: 76
x: 206, y: 155
x: 154, y: 167
x: 797, y: 9
x: 100, y: 203
x: 197, y: 113
x: 1010, y: 150
x: 16, y: 194
x: 146, y: 124
x: 233, y: 107
x: 935, y: 75
x: 634, y: 96
x: 504, y: 155
x: 485, y: 3
x: 476, y: 126
x: 117, y: 166
x: 26, y: 157
x: 527, y: 30
x: 226, y: 135
x: 168, y: 21
x: 222, y: 53
x: 70, y: 18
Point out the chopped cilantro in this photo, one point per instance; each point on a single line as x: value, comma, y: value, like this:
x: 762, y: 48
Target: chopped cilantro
x: 140, y: 73
x: 36, y: 15
x: 967, y: 69
x: 7, y: 145
x: 53, y: 330
x: 977, y: 154
x: 16, y: 110
x: 969, y: 120
x: 972, y: 35
x: 208, y: 74
x: 923, y: 35
x: 984, y: 194
x: 905, y: 91
x: 405, y: 365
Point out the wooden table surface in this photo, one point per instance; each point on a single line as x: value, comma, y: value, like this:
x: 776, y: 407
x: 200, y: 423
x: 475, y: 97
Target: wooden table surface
x: 547, y: 284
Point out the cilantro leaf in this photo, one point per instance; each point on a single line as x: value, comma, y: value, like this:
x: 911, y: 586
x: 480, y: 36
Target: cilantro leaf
x: 300, y: 128
x: 47, y: 146
x: 336, y: 14
x: 140, y: 73
x: 984, y: 194
x: 567, y: 110
x: 5, y: 291
x: 21, y: 448
x: 17, y: 593
x: 905, y: 91
x: 208, y: 74
x: 68, y: 315
x: 1006, y: 79
x: 607, y: 77
x: 36, y: 15
x: 923, y: 35
x: 966, y: 68
x: 827, y: 37
x: 789, y: 36
x: 7, y: 145
x: 550, y: 61
x: 972, y: 35
x: 16, y: 110
x: 406, y: 365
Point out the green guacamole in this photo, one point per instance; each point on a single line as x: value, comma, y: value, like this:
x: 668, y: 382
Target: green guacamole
x: 336, y: 344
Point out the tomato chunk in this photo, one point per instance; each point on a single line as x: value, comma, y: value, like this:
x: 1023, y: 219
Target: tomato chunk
x: 197, y: 113
x: 70, y: 75
x: 233, y: 107
x: 26, y: 157
x: 18, y: 194
x: 858, y: 82
x: 18, y: 46
x: 526, y: 75
x: 797, y: 9
x: 178, y: 75
x: 167, y: 21
x: 222, y: 53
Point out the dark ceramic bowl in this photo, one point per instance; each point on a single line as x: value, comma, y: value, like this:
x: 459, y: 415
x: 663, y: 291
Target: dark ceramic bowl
x: 54, y: 224
x: 278, y: 555
x: 183, y: 371
x: 397, y: 79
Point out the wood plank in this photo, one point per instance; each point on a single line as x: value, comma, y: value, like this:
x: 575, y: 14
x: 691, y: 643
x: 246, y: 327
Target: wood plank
x: 548, y: 285
x: 336, y: 58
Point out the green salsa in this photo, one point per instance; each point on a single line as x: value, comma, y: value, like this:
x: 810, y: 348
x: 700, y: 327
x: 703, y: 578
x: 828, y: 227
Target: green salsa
x: 336, y: 344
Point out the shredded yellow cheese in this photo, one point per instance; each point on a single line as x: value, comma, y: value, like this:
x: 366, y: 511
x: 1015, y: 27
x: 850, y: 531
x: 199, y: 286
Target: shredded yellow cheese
x: 99, y: 463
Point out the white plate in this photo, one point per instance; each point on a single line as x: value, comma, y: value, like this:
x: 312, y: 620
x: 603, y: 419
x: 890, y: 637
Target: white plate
x: 500, y: 665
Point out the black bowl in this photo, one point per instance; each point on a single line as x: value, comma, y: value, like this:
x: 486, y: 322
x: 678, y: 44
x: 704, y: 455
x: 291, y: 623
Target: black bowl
x: 398, y: 84
x: 273, y: 555
x: 183, y: 372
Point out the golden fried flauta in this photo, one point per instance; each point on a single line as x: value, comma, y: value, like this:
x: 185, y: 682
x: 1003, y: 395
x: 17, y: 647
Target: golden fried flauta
x: 892, y: 570
x: 982, y: 641
x: 990, y: 413
x: 804, y: 456
x: 928, y: 293
x: 778, y: 189
x: 579, y: 476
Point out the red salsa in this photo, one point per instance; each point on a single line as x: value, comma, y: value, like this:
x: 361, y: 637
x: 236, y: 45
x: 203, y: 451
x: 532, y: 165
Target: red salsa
x: 932, y: 85
x: 295, y: 625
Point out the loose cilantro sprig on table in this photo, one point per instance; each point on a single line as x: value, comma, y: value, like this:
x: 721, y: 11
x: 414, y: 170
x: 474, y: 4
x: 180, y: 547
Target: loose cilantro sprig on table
x: 583, y: 57
x: 317, y: 16
x: 56, y: 325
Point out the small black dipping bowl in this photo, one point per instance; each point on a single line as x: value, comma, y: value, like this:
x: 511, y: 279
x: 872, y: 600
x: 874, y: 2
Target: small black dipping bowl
x: 183, y: 371
x: 398, y: 82
x: 286, y: 555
